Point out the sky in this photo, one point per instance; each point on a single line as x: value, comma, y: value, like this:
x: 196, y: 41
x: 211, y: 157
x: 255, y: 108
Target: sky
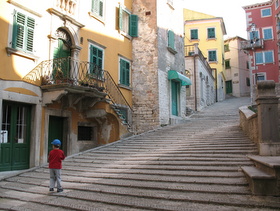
x: 230, y: 10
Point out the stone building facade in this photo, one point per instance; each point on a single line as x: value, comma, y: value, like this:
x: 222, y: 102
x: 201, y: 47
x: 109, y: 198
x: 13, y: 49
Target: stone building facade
x: 158, y: 97
x: 202, y: 92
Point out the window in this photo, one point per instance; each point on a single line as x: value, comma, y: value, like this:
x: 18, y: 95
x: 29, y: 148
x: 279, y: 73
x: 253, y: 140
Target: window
x: 226, y: 47
x: 264, y: 57
x: 212, y: 56
x: 124, y: 72
x: 97, y: 8
x: 96, y: 61
x: 260, y: 76
x: 267, y: 34
x: 254, y: 34
x: 85, y: 133
x: 248, y: 81
x: 266, y: 12
x: 128, y: 23
x: 276, y: 4
x: 194, y: 34
x: 211, y: 33
x: 227, y: 63
x: 23, y: 32
x: 171, y: 39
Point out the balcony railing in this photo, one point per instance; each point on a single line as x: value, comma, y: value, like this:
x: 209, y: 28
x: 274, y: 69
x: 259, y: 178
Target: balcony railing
x: 66, y: 6
x: 70, y: 72
x: 252, y: 44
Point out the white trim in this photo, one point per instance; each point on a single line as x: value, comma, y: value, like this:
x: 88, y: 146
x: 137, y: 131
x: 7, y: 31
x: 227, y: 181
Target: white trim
x: 267, y: 15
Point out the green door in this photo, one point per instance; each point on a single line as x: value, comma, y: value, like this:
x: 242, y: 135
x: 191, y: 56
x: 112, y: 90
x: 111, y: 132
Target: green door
x: 228, y: 87
x: 15, y: 136
x: 61, y: 64
x: 55, y: 130
x: 174, y: 97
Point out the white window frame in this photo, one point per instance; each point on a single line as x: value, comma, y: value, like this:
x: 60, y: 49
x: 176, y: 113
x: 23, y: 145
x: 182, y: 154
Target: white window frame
x: 264, y: 16
x: 271, y: 33
x: 263, y: 57
x: 261, y: 74
x: 10, y: 50
x: 96, y: 14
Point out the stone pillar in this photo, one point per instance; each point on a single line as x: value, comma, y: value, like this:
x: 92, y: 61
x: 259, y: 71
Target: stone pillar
x: 267, y: 102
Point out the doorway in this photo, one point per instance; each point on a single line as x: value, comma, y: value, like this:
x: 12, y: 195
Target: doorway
x: 174, y: 97
x: 15, y: 136
x: 229, y: 87
x: 56, y: 131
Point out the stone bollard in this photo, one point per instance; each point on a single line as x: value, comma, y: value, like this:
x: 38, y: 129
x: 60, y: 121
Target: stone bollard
x: 267, y: 102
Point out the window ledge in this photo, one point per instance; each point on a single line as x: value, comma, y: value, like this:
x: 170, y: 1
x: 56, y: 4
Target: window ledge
x: 21, y: 53
x: 100, y: 19
x: 125, y: 35
x: 171, y: 50
x: 212, y: 38
x: 125, y: 87
x: 213, y: 62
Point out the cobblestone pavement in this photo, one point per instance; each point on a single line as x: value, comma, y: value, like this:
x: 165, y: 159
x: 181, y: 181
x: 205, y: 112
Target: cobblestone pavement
x: 191, y: 166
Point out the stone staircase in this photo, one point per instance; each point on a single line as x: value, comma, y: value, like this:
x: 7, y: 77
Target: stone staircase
x: 264, y: 177
x: 192, y: 166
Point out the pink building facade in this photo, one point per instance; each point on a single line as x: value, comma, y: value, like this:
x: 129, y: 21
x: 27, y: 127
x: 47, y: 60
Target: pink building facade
x: 263, y: 26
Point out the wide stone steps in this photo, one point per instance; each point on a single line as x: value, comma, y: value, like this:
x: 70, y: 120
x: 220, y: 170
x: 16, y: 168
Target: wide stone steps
x: 193, y: 166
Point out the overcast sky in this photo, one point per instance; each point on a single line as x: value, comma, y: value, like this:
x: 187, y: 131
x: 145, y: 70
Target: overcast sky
x: 230, y: 10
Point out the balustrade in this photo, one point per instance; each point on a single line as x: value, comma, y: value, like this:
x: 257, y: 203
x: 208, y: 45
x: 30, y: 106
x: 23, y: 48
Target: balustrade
x: 67, y: 6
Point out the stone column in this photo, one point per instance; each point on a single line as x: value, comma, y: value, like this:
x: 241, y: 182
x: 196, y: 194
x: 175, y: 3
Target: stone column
x: 267, y: 102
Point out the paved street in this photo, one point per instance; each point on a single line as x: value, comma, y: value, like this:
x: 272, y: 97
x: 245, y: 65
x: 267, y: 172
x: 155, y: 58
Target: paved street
x: 191, y: 166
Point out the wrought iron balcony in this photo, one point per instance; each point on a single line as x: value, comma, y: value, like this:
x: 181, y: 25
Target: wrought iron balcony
x: 252, y: 44
x: 68, y: 72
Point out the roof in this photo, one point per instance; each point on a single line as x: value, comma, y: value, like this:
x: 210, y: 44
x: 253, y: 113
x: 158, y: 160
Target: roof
x: 193, y: 16
x: 252, y: 6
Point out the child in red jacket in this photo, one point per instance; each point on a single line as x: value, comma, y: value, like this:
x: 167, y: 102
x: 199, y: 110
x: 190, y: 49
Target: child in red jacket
x: 55, y: 165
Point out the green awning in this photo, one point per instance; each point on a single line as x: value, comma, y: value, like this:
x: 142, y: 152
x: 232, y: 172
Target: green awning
x: 174, y: 75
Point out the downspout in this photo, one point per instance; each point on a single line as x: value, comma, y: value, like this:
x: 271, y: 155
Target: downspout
x: 216, y: 84
x: 195, y: 94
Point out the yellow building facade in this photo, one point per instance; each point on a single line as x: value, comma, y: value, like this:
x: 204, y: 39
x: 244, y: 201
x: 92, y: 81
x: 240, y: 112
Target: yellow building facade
x: 207, y: 31
x: 65, y: 72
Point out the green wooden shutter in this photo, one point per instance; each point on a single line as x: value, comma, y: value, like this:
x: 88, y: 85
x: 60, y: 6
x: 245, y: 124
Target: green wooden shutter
x: 133, y: 26
x: 96, y: 58
x: 124, y: 72
x: 101, y: 8
x: 18, y: 32
x: 120, y: 18
x: 94, y: 6
x: 211, y: 33
x: 23, y: 32
x: 30, y: 34
x: 127, y: 73
x: 97, y: 7
x: 171, y: 39
x: 194, y: 34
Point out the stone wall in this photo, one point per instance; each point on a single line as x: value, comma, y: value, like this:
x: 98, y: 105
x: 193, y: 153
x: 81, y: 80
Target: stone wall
x: 151, y: 95
x: 262, y: 127
x: 249, y: 122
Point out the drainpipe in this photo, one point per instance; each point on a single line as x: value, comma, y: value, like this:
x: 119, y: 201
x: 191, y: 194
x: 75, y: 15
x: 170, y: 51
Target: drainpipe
x: 195, y: 94
x: 216, y: 84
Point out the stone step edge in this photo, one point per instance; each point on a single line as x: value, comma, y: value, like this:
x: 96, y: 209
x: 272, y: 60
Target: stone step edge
x: 237, y: 204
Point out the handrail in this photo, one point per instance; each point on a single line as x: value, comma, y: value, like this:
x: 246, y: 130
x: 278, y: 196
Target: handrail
x: 73, y: 72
